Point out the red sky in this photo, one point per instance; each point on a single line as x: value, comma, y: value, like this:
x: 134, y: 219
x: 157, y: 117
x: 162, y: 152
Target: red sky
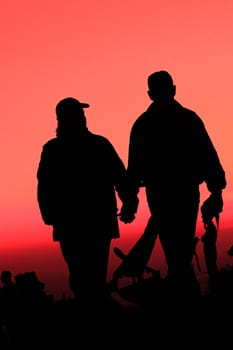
x: 101, y: 52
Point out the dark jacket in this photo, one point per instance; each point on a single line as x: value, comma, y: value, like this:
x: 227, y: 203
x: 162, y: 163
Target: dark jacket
x: 77, y: 185
x: 170, y: 150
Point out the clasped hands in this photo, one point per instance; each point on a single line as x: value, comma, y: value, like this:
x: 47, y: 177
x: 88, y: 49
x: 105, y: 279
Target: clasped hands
x: 126, y: 215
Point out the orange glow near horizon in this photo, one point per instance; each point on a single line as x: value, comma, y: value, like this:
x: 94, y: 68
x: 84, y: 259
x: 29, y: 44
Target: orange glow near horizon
x: 102, y: 53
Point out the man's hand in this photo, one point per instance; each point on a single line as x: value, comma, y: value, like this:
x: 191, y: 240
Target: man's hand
x: 212, y: 207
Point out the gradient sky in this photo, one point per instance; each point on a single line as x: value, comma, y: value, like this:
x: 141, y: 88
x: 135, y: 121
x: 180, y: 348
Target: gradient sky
x: 101, y: 52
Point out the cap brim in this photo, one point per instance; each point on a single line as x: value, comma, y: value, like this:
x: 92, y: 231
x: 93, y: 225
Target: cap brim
x: 84, y: 105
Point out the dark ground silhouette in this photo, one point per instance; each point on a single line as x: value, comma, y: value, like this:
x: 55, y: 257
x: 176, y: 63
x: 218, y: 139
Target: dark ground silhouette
x: 154, y: 314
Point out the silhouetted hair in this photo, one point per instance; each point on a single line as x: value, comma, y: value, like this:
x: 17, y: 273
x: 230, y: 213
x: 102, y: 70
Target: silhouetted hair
x: 160, y: 80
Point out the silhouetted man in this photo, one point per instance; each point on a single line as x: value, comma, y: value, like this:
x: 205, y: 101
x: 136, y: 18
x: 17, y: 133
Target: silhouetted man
x: 80, y: 176
x: 171, y: 154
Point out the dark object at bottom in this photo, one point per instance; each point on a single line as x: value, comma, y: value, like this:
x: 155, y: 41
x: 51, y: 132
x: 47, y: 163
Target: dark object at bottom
x: 210, y: 251
x: 144, y: 291
x: 134, y: 264
x: 230, y: 251
x: 159, y: 292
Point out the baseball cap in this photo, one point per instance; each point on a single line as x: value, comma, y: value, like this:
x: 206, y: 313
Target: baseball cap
x: 69, y: 105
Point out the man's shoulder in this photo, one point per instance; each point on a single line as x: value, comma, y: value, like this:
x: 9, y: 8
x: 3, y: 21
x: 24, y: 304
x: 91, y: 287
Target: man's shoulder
x: 176, y: 109
x: 98, y: 139
x: 186, y: 110
x: 50, y: 143
x: 191, y: 117
x: 142, y: 117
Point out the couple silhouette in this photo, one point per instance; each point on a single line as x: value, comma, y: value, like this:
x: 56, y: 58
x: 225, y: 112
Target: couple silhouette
x: 80, y: 175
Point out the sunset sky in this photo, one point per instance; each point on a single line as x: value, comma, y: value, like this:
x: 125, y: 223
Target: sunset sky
x: 101, y: 52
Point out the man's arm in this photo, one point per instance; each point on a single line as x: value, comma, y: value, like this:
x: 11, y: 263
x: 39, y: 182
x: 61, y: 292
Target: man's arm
x: 133, y: 180
x: 214, y: 177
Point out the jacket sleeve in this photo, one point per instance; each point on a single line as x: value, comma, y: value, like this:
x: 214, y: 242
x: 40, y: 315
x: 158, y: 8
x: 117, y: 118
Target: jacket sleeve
x: 133, y: 176
x: 45, y: 190
x: 214, y: 174
x: 122, y: 186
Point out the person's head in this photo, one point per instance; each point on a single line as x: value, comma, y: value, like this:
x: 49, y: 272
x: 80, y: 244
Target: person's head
x: 6, y: 277
x: 161, y: 87
x: 70, y: 116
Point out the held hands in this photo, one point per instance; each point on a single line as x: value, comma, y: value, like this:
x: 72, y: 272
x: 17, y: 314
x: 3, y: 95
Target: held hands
x: 126, y: 215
